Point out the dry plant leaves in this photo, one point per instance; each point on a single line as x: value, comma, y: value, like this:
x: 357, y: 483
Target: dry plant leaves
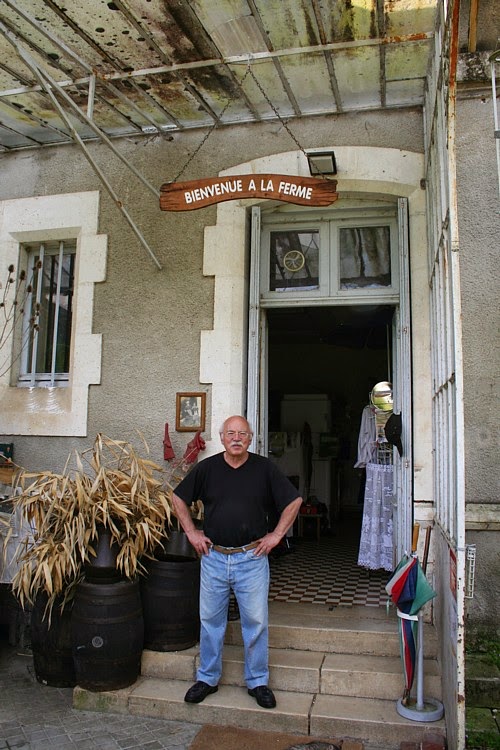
x: 109, y: 485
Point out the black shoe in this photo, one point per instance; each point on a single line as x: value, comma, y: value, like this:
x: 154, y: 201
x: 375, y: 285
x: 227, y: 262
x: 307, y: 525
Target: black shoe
x: 263, y: 695
x: 199, y: 691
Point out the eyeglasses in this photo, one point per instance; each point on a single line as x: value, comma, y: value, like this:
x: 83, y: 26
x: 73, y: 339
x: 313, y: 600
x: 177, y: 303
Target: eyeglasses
x: 232, y: 434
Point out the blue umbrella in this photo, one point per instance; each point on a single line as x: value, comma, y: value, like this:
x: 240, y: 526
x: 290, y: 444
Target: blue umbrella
x: 409, y: 591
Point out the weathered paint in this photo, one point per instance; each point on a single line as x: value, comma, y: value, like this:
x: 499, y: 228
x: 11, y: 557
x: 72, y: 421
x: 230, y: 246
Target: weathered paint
x: 143, y: 40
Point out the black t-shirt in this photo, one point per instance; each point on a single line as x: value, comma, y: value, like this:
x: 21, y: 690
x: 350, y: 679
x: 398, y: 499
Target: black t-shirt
x: 237, y: 502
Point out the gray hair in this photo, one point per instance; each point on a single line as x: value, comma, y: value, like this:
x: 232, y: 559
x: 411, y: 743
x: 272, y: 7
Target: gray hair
x: 221, y: 429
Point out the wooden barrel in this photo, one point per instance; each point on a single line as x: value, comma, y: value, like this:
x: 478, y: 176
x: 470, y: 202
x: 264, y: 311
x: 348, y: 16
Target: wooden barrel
x: 107, y: 635
x: 170, y: 601
x: 51, y: 646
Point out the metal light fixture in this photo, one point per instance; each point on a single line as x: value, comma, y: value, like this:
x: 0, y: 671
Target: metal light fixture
x: 321, y: 162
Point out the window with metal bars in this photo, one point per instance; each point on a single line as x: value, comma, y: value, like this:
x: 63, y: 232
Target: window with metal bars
x: 48, y: 312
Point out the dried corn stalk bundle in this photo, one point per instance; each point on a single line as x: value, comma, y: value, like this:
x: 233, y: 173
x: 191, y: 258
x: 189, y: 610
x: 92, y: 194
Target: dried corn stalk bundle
x: 108, y: 486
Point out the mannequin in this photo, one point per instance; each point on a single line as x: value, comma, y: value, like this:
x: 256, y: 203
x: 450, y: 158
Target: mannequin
x: 375, y: 453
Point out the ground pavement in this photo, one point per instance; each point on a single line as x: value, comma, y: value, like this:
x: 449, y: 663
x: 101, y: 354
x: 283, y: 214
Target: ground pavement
x: 36, y: 717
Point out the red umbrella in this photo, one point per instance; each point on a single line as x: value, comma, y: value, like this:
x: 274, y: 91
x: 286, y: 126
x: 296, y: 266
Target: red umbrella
x: 409, y: 591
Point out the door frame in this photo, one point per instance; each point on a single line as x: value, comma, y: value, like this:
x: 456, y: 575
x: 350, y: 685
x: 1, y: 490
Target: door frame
x: 257, y: 384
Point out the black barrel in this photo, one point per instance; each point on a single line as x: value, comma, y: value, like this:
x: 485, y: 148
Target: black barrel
x: 102, y: 567
x: 170, y: 598
x: 51, y: 645
x: 107, y: 635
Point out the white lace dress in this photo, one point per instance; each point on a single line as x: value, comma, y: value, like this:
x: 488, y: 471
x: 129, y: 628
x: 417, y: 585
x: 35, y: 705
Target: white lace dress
x: 375, y: 546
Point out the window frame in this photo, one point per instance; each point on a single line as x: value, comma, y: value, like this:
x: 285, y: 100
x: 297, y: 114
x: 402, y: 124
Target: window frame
x: 295, y: 292
x: 328, y: 225
x: 56, y: 411
x: 30, y: 353
x: 352, y: 223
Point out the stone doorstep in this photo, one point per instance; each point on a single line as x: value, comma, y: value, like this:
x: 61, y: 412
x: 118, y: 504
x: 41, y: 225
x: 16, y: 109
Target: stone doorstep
x: 379, y: 637
x: 308, y: 651
x: 302, y: 671
x: 373, y: 721
x: 357, y: 675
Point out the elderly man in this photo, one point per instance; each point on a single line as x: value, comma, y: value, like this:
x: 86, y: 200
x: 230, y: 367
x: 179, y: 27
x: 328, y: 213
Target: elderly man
x: 239, y: 490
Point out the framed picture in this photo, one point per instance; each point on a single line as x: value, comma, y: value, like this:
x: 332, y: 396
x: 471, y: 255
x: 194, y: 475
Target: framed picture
x: 190, y: 412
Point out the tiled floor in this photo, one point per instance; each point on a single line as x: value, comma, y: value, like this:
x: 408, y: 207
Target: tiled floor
x: 326, y: 572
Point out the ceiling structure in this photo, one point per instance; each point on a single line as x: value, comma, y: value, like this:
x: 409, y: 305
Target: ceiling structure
x: 76, y: 71
x: 97, y: 69
x: 92, y: 67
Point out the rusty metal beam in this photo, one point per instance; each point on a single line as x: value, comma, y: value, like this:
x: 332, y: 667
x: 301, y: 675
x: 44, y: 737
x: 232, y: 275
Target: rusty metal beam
x: 48, y: 83
x: 328, y: 59
x: 277, y: 63
x: 88, y: 68
x: 237, y: 59
x: 473, y: 10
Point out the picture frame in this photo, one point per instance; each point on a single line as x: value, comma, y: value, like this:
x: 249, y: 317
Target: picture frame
x: 190, y: 412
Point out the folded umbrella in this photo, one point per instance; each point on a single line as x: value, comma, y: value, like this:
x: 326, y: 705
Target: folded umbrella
x: 409, y: 590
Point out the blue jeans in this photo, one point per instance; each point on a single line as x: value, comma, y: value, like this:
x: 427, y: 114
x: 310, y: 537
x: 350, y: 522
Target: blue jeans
x: 248, y: 576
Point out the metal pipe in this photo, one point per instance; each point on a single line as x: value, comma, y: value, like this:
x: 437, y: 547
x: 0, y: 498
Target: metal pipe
x: 71, y: 54
x: 91, y: 98
x: 420, y: 663
x: 494, y: 59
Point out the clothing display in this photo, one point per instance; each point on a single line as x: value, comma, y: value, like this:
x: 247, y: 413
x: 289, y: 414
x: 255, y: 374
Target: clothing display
x: 376, y: 546
x: 375, y: 455
x: 367, y: 441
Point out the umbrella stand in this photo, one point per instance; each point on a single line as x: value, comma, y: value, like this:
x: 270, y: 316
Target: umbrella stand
x: 420, y: 709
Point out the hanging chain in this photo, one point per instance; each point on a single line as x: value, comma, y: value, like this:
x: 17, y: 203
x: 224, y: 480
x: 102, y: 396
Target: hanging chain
x: 207, y: 135
x: 209, y: 132
x: 282, y: 121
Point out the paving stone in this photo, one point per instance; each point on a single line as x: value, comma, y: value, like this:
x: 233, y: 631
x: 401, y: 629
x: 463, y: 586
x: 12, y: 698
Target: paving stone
x: 38, y: 717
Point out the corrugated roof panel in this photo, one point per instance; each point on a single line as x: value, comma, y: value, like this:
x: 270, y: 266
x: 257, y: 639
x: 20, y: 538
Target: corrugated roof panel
x: 358, y: 76
x: 406, y: 60
x: 310, y: 82
x: 405, y: 17
x: 404, y: 93
x: 30, y: 115
x: 30, y: 37
x: 231, y: 25
x: 347, y: 22
x: 139, y: 44
x: 289, y: 24
x: 267, y: 76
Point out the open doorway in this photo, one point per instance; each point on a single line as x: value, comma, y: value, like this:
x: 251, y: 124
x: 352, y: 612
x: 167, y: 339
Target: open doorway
x: 322, y: 364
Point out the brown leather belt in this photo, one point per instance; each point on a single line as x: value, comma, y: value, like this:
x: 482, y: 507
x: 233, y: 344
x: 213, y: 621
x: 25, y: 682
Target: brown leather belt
x: 232, y: 550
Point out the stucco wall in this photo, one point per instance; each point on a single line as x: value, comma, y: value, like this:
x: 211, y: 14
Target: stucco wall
x: 151, y: 320
x: 479, y: 238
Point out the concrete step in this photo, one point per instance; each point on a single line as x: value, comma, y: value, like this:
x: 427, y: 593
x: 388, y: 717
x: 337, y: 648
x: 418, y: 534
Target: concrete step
x: 374, y: 722
x: 293, y: 670
x: 344, y: 630
x: 335, y: 673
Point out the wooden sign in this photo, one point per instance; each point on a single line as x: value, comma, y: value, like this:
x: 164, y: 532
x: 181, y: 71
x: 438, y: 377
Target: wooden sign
x: 304, y: 191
